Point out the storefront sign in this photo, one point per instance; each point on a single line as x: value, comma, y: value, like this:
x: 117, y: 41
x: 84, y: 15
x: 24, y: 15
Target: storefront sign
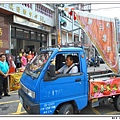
x: 19, y: 20
x: 28, y: 13
x: 4, y: 33
x: 1, y: 43
x: 0, y: 31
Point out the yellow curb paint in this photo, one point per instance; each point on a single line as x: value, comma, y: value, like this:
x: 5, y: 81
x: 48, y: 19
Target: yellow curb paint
x: 112, y: 113
x: 19, y: 108
x: 18, y: 113
x: 95, y: 111
x: 13, y: 93
x: 1, y: 103
x: 23, y: 112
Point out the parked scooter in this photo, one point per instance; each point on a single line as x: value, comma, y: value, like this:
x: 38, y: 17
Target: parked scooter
x: 97, y: 61
x: 90, y: 62
x: 94, y: 62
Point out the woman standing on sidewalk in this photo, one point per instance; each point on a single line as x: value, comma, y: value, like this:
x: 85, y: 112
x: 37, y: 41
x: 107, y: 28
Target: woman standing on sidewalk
x: 4, y: 69
x: 24, y: 59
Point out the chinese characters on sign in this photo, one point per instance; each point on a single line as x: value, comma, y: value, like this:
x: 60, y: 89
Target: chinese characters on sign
x: 1, y: 31
x: 1, y: 42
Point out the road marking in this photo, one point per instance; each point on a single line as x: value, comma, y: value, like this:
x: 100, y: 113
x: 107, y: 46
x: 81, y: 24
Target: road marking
x: 95, y: 111
x: 1, y: 103
x: 18, y: 109
x: 13, y: 93
x: 23, y: 112
x: 18, y: 113
x: 112, y: 113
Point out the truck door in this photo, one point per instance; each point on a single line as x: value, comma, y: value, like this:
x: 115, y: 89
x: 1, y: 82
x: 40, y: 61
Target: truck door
x: 65, y: 87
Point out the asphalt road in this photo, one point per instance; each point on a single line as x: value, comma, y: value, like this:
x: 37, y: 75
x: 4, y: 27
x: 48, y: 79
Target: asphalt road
x: 12, y: 106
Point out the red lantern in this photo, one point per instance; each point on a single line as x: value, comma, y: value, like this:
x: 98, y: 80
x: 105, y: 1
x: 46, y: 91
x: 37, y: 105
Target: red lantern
x: 74, y: 14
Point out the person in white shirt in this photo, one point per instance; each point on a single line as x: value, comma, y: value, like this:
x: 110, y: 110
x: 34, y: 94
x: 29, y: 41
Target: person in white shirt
x: 70, y: 67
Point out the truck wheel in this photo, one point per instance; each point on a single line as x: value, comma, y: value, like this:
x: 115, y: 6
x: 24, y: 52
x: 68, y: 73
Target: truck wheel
x: 66, y: 109
x: 116, y: 102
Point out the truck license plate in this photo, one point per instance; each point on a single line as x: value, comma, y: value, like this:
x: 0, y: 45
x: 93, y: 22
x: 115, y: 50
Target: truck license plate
x: 21, y: 100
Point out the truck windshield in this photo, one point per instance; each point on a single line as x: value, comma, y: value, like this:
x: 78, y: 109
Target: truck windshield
x: 36, y: 65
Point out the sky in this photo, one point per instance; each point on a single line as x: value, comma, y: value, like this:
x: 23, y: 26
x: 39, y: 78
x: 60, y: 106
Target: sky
x: 107, y: 10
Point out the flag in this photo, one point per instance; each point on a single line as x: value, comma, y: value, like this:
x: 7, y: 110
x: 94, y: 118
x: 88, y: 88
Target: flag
x: 101, y: 31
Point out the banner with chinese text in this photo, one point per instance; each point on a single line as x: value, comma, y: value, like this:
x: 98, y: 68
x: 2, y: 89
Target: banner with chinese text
x: 101, y: 31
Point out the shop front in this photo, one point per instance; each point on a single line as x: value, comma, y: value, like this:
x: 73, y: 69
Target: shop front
x: 27, y: 38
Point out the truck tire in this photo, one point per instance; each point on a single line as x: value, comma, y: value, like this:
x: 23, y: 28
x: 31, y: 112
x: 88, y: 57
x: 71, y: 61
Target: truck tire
x: 66, y: 109
x: 116, y: 102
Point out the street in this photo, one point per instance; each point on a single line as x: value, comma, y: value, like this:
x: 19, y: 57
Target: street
x: 12, y: 106
x: 30, y: 33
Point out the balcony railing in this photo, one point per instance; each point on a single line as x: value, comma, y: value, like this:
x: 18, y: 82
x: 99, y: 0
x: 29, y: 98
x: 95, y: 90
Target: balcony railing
x: 44, y: 10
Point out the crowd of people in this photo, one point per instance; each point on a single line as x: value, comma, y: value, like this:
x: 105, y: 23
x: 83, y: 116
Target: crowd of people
x: 9, y: 64
x: 21, y: 60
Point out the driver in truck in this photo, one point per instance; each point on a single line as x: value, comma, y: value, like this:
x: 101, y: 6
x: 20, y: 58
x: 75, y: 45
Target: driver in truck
x: 69, y: 67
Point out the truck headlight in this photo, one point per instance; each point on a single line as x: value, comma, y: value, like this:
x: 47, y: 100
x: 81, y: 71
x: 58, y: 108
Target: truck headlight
x: 27, y: 91
x: 31, y: 93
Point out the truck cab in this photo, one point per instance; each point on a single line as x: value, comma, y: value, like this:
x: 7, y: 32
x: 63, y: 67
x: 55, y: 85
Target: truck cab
x: 44, y: 92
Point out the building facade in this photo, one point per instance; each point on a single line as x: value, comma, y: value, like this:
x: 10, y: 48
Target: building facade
x: 31, y: 26
x: 26, y: 26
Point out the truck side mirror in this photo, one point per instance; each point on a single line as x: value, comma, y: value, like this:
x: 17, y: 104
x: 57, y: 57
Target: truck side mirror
x: 52, y: 70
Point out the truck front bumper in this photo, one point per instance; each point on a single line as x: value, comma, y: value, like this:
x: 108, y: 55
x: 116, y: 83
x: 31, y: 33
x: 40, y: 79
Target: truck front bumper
x: 28, y: 105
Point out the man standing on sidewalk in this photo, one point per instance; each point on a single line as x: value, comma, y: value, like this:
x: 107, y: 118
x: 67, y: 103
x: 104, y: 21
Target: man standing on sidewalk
x: 4, y: 69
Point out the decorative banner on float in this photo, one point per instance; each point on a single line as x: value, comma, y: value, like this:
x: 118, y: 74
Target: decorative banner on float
x: 101, y: 31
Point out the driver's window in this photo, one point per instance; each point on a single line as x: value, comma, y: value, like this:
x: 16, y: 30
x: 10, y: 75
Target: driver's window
x: 68, y: 61
x: 60, y: 61
x: 64, y: 64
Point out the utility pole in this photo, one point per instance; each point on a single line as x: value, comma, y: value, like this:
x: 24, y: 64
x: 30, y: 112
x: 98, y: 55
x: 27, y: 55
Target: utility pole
x: 73, y: 26
x: 56, y: 22
x: 59, y: 22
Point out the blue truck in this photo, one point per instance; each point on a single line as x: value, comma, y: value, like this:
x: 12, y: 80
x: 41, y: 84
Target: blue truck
x: 44, y: 92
